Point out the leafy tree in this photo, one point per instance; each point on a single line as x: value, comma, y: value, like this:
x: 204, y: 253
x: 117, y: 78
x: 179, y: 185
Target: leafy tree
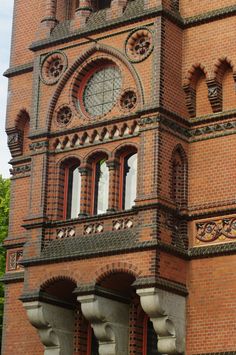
x: 4, y: 215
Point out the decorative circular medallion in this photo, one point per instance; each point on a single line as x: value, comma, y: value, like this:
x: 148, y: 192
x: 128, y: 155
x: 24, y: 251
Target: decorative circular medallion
x: 53, y: 66
x: 101, y: 90
x: 64, y: 116
x: 128, y: 100
x: 139, y: 45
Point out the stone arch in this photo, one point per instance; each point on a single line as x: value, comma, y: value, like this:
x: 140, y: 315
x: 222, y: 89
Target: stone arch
x: 124, y: 146
x: 50, y: 276
x: 196, y: 91
x: 191, y: 75
x: 222, y: 85
x: 107, y: 50
x: 116, y: 267
x: 223, y: 61
x: 96, y: 152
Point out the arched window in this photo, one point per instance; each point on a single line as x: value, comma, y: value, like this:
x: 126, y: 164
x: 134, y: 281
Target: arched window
x: 72, y: 191
x: 100, y: 184
x: 128, y: 180
x: 149, y: 338
x: 92, y: 348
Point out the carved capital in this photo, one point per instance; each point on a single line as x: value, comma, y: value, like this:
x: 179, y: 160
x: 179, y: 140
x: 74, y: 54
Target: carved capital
x: 55, y: 326
x: 15, y: 141
x: 109, y: 320
x: 167, y: 313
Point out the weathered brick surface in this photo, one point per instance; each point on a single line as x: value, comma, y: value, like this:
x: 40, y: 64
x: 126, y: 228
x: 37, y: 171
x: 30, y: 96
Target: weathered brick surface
x: 196, y: 55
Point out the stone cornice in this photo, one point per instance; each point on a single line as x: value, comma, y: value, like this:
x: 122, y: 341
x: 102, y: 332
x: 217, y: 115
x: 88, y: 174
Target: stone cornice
x: 159, y: 282
x: 212, y: 250
x: 44, y: 297
x: 12, y: 277
x: 19, y: 69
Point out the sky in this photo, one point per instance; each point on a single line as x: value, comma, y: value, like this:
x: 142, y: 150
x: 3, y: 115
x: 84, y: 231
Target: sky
x: 5, y: 42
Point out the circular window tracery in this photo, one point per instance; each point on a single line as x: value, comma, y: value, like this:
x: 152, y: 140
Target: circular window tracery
x: 128, y: 100
x: 139, y: 45
x: 64, y: 116
x: 101, y: 90
x: 53, y: 66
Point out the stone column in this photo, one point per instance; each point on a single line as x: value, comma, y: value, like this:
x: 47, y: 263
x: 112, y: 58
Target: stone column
x: 49, y: 20
x: 113, y: 201
x: 82, y: 14
x: 85, y: 197
x: 166, y: 310
x: 109, y: 319
x: 55, y: 326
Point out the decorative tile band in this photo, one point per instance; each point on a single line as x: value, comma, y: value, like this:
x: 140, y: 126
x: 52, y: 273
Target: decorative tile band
x: 14, y: 259
x: 212, y: 230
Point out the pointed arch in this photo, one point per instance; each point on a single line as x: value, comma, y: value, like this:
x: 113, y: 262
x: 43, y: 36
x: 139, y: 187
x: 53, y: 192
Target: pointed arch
x: 107, y: 51
x: 225, y: 78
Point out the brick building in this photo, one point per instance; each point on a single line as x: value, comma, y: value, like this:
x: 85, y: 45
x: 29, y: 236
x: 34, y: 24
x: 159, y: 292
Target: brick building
x: 121, y: 125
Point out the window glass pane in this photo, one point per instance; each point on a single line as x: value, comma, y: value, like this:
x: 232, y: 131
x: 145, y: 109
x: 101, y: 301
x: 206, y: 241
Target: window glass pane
x: 73, y: 196
x: 130, y: 181
x: 94, y: 345
x: 151, y: 340
x: 101, y: 187
x: 102, y: 90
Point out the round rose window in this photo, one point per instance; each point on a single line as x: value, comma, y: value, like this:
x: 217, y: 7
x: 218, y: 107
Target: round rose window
x: 102, y: 90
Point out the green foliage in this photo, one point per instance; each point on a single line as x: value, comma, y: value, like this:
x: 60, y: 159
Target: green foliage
x: 4, y: 216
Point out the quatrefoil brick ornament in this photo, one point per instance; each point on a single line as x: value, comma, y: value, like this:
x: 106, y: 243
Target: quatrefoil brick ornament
x: 139, y: 45
x: 53, y: 66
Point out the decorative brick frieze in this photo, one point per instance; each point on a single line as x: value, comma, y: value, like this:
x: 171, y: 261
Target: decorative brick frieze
x: 93, y: 228
x: 66, y: 232
x: 38, y: 146
x: 123, y: 223
x: 97, y: 136
x: 13, y: 260
x: 17, y: 171
x: 221, y: 229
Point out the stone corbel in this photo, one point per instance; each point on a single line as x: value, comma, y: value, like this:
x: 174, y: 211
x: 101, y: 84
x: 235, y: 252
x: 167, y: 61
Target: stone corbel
x: 55, y: 326
x: 109, y: 319
x: 166, y: 310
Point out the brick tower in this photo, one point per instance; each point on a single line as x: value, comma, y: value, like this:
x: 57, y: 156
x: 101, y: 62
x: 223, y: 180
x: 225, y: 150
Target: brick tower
x: 121, y: 123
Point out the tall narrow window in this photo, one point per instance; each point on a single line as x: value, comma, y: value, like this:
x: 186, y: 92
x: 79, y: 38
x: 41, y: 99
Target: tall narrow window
x: 149, y: 338
x: 101, y: 187
x: 72, y: 192
x: 129, y: 183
